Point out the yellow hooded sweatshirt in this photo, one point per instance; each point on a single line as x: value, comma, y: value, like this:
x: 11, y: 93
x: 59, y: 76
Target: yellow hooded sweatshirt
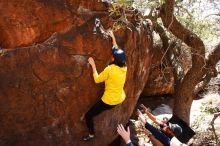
x: 114, y: 77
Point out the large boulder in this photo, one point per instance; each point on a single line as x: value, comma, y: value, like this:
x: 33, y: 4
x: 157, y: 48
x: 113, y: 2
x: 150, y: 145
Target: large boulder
x: 46, y: 88
x: 161, y: 77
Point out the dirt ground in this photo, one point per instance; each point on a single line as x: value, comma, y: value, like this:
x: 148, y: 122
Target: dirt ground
x: 202, y: 112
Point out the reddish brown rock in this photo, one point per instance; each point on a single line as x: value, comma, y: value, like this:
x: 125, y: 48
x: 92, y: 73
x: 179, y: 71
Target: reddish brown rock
x: 47, y: 88
x: 25, y: 22
x: 161, y: 79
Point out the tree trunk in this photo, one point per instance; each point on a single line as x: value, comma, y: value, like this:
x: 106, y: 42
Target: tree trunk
x: 184, y: 91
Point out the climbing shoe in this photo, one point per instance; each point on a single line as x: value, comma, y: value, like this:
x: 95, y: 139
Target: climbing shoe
x: 89, y: 137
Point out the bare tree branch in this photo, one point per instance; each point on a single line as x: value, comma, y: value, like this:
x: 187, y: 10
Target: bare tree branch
x: 205, y: 81
x: 214, y: 57
x: 218, y: 14
x: 210, y: 69
x: 213, y: 127
x: 167, y: 47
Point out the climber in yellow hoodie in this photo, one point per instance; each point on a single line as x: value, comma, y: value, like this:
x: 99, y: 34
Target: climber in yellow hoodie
x: 114, y: 76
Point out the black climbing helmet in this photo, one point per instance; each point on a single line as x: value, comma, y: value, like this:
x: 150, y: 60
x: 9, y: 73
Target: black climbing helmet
x: 119, y: 56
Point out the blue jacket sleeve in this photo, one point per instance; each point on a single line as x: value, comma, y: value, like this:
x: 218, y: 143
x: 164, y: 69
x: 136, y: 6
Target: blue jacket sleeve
x: 130, y: 144
x: 158, y: 134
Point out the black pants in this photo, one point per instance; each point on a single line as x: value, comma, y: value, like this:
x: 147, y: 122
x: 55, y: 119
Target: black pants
x: 99, y: 107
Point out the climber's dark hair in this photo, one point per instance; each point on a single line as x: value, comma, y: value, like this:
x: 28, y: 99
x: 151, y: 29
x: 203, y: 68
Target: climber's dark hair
x: 120, y: 57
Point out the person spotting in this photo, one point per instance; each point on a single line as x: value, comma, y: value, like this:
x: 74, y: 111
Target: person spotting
x: 114, y: 76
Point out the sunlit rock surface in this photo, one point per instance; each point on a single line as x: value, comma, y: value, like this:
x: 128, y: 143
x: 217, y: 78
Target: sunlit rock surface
x: 46, y: 84
x: 25, y: 22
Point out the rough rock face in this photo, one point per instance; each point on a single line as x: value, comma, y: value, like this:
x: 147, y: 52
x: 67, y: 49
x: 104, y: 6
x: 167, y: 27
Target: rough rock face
x: 46, y: 88
x: 161, y: 78
x: 25, y: 22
